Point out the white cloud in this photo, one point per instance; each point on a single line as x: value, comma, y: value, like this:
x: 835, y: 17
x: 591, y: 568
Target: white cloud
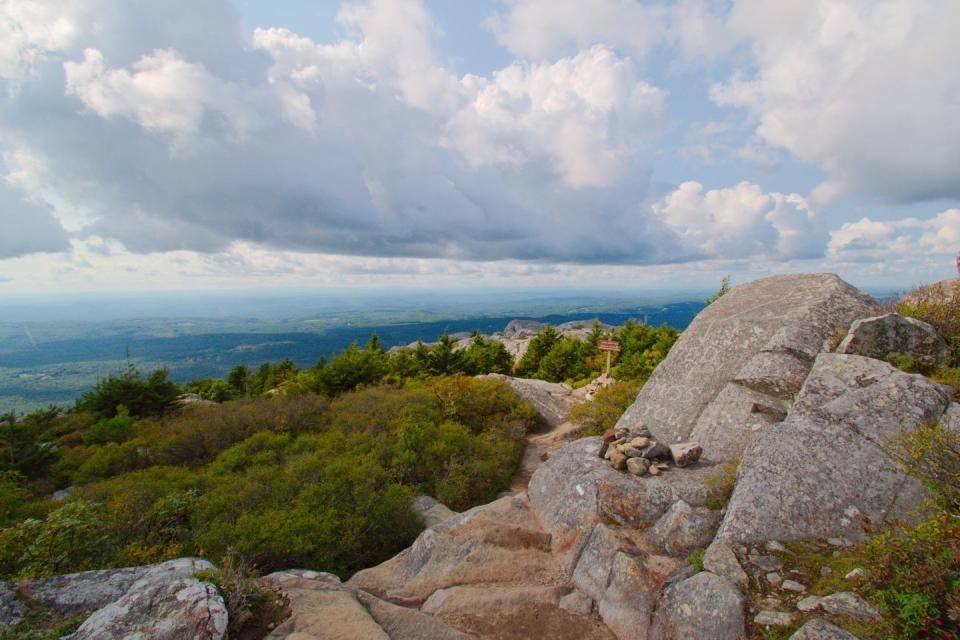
x: 588, y: 113
x: 542, y: 29
x: 864, y: 90
x: 904, y: 240
x: 742, y: 221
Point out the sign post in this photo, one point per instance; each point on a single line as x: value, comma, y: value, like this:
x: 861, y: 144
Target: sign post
x: 610, y: 346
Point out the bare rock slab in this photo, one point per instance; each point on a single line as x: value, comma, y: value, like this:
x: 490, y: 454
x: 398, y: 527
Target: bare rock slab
x: 720, y: 559
x: 847, y: 410
x: 847, y: 603
x: 431, y: 510
x: 500, y: 542
x: 755, y: 344
x: 822, y: 630
x: 403, y: 622
x: 702, y: 607
x: 683, y: 528
x: 162, y: 610
x: 320, y: 607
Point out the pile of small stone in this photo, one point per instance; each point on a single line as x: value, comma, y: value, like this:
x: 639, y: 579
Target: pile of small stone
x: 635, y: 451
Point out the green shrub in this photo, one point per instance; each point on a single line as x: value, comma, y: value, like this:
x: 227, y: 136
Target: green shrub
x: 144, y: 396
x: 605, y: 409
x: 71, y: 538
x: 113, y: 429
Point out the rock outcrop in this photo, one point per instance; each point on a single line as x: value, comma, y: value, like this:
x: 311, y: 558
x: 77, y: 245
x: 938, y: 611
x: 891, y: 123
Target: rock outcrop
x: 163, y: 601
x: 553, y: 400
x: 849, y: 407
x: 593, y: 549
x: 736, y: 369
x: 889, y: 333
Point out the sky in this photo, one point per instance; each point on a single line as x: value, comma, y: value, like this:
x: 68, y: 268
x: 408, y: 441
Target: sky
x: 166, y: 145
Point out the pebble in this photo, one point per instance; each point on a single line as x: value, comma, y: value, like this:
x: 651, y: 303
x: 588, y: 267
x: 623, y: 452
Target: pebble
x: 793, y: 585
x: 638, y: 466
x: 826, y: 572
x: 773, y: 619
x: 657, y: 451
x: 855, y: 574
x: 773, y: 545
x: 767, y: 563
x: 774, y: 578
x: 640, y: 442
x: 839, y: 542
x: 654, y: 471
x: 808, y: 604
x: 618, y: 460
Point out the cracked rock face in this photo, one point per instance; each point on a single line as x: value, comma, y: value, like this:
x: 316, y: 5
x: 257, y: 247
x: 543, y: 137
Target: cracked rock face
x: 162, y: 601
x: 735, y: 370
x: 849, y: 407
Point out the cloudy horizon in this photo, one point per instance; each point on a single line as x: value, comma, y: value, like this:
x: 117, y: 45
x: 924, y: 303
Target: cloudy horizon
x: 214, y: 144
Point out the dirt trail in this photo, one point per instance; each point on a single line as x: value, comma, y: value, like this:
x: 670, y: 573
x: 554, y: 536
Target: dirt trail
x: 538, y: 444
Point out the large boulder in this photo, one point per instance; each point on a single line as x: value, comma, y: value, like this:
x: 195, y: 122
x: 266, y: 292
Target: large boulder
x: 702, y: 607
x: 878, y: 336
x: 574, y: 490
x: 824, y: 472
x: 163, y: 600
x: 175, y: 609
x: 734, y: 371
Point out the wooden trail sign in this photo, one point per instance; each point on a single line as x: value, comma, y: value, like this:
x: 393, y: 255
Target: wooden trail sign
x: 610, y: 346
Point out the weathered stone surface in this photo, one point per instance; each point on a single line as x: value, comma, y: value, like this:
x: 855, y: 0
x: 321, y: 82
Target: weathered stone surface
x: 685, y: 453
x: 89, y: 590
x: 683, y: 528
x: 847, y: 603
x: 592, y: 572
x: 702, y: 607
x: 499, y: 542
x: 773, y: 619
x: 574, y: 490
x: 431, y: 510
x: 808, y: 604
x: 775, y: 373
x: 822, y: 630
x: 490, y: 599
x: 160, y: 609
x: 853, y: 405
x: 321, y: 607
x: 635, y: 583
x: 12, y: 609
x: 793, y: 585
x: 793, y: 315
x: 402, y: 622
x: 876, y: 337
x: 576, y: 603
x: 553, y: 401
x: 720, y: 559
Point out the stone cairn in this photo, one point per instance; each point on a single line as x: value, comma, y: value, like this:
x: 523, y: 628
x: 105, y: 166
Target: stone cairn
x: 635, y: 451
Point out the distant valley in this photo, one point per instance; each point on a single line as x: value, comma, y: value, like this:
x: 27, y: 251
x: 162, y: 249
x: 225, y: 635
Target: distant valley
x: 54, y: 361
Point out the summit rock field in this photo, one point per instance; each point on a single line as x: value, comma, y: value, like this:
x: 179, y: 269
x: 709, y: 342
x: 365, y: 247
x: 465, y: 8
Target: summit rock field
x: 779, y: 438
